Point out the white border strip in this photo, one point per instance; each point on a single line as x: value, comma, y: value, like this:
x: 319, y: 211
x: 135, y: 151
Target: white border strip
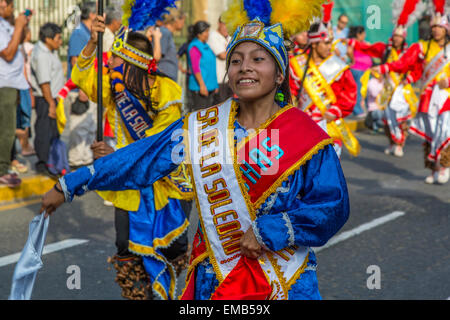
x: 364, y: 227
x: 50, y: 248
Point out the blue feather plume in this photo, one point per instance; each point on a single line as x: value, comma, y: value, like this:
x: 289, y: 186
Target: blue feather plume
x: 144, y: 13
x: 261, y: 9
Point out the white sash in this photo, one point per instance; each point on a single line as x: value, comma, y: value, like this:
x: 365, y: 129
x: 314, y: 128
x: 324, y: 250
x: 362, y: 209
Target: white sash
x: 224, y: 214
x: 331, y: 69
x: 434, y: 67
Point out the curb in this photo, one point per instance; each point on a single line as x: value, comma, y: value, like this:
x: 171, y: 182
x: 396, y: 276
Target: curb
x: 356, y: 125
x: 35, y: 186
x: 31, y: 187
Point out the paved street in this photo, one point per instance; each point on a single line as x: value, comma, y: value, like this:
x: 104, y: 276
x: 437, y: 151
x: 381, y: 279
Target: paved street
x: 410, y: 248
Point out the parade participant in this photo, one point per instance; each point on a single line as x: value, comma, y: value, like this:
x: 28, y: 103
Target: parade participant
x: 397, y: 97
x: 139, y: 102
x: 432, y: 122
x: 326, y: 88
x: 266, y: 193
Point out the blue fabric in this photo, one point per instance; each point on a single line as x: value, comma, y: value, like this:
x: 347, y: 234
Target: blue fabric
x: 145, y: 13
x: 58, y: 163
x: 30, y: 260
x: 258, y: 9
x: 77, y: 41
x: 314, y: 199
x: 148, y: 224
x: 341, y: 35
x: 207, y: 67
x: 24, y: 110
x: 357, y: 74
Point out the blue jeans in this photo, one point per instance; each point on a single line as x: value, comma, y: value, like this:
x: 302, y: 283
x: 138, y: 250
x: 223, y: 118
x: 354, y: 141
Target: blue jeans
x: 357, y: 74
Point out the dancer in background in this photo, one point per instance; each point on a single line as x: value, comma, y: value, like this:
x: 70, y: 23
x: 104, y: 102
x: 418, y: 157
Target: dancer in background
x: 397, y: 97
x: 432, y: 122
x: 326, y: 88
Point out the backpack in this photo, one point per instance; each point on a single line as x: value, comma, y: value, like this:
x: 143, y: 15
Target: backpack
x: 57, y: 163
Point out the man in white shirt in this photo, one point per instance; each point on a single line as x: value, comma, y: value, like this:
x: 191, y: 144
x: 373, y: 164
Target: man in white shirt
x: 218, y: 41
x: 47, y: 79
x: 12, y: 79
x: 341, y: 32
x: 113, y: 22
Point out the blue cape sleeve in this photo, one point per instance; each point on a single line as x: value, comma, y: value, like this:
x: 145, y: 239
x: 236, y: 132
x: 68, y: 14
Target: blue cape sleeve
x: 312, y: 211
x: 134, y: 167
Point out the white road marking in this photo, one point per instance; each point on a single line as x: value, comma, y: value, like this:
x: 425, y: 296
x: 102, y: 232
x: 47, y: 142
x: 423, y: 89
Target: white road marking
x: 364, y: 227
x: 53, y: 247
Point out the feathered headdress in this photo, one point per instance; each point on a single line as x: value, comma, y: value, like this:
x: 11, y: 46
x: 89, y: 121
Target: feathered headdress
x: 325, y: 31
x: 266, y: 22
x: 440, y: 17
x: 138, y: 15
x: 405, y: 13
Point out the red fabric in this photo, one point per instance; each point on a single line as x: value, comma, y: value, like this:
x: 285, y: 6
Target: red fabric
x: 69, y: 86
x: 376, y: 50
x: 446, y: 107
x: 410, y: 61
x: 189, y: 291
x: 345, y: 90
x: 107, y: 131
x: 245, y: 282
x: 425, y: 98
x: 285, y: 132
x: 327, y: 10
x: 408, y: 8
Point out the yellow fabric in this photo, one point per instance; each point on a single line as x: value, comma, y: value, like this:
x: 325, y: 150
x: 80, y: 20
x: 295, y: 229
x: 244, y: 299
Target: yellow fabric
x: 432, y: 52
x: 167, y: 97
x: 317, y: 87
x: 60, y: 116
x: 313, y: 84
x: 385, y: 95
x: 339, y: 130
x: 364, y: 82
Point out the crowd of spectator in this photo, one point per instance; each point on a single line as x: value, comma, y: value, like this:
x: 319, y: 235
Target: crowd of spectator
x: 32, y: 76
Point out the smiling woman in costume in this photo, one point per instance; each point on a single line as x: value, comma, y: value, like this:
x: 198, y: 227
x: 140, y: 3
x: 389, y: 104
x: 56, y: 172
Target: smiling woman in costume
x: 266, y: 193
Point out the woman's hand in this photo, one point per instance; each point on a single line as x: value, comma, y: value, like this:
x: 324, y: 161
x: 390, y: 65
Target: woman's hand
x: 204, y: 91
x: 51, y: 201
x: 101, y: 149
x: 329, y: 117
x: 250, y: 247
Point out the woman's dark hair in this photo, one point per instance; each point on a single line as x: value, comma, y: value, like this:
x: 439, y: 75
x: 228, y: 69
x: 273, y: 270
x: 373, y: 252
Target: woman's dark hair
x: 49, y: 30
x: 135, y: 78
x: 354, y: 31
x: 196, y: 29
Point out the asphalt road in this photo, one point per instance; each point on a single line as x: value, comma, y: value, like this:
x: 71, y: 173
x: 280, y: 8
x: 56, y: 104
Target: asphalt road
x: 410, y: 252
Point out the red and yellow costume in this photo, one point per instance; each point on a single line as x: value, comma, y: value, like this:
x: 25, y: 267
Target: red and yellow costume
x: 326, y: 88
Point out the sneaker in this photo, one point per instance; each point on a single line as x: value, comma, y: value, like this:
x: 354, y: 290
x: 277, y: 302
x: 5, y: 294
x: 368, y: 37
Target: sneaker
x: 398, y: 151
x: 429, y: 179
x: 19, y: 167
x: 443, y: 176
x: 389, y: 150
x: 11, y: 180
x: 108, y: 203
